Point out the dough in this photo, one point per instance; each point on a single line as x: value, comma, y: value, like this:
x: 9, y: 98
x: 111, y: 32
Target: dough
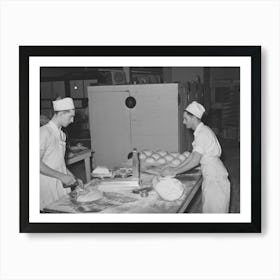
x: 90, y: 196
x: 156, y: 156
x: 169, y: 189
x: 161, y: 161
x: 150, y: 160
x: 142, y: 156
x: 147, y: 153
x: 162, y: 153
x: 182, y: 158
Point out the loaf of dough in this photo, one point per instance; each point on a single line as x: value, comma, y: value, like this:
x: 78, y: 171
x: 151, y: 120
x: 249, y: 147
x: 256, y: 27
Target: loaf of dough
x: 182, y: 157
x: 169, y: 189
x: 162, y: 153
x: 162, y: 161
x: 150, y: 160
x: 90, y: 196
x: 169, y: 157
x: 147, y: 153
x: 175, y: 162
x: 156, y: 156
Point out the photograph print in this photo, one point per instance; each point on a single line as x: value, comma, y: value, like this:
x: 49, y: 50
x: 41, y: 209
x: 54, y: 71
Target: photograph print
x: 140, y: 139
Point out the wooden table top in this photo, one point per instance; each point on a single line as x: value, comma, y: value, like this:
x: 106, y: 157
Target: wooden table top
x: 78, y: 155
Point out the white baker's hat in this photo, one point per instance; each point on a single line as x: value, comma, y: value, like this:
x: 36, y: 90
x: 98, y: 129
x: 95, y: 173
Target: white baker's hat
x: 63, y: 104
x: 196, y: 109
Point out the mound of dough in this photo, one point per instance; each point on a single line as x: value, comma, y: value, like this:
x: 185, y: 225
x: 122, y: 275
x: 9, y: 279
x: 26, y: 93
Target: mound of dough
x: 90, y: 196
x: 169, y: 189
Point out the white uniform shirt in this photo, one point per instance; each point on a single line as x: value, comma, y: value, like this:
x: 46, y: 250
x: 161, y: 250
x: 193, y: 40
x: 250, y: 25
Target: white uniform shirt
x: 206, y: 143
x: 52, y: 151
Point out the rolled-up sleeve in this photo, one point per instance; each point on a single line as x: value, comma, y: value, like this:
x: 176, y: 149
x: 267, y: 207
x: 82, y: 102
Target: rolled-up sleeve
x: 200, y: 143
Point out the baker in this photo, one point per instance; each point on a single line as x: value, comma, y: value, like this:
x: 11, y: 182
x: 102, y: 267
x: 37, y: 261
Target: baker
x: 206, y: 152
x: 54, y: 176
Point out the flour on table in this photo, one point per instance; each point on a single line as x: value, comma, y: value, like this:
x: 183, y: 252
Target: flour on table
x: 90, y: 196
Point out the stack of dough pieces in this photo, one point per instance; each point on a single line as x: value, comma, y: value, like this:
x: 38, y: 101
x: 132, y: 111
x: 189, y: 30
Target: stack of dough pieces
x: 149, y: 157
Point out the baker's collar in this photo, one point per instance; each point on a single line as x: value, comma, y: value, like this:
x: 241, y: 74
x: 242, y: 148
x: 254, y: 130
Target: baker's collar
x: 54, y: 126
x: 198, y: 128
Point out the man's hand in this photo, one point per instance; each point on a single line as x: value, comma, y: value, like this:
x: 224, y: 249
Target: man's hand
x: 67, y: 179
x: 81, y: 185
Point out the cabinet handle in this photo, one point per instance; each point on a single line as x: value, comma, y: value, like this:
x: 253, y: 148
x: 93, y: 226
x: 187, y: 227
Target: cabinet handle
x: 130, y: 102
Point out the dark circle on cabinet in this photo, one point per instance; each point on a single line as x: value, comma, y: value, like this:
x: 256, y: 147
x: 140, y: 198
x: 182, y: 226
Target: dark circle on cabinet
x: 130, y: 102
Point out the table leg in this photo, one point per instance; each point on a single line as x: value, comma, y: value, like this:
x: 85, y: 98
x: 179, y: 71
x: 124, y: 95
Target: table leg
x: 87, y: 167
x: 93, y: 165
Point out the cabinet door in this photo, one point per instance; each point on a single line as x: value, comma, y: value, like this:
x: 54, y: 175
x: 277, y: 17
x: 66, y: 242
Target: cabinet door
x: 109, y: 126
x: 77, y: 88
x: 155, y: 118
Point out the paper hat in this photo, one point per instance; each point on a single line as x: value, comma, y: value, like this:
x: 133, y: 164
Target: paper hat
x: 196, y: 109
x: 63, y: 104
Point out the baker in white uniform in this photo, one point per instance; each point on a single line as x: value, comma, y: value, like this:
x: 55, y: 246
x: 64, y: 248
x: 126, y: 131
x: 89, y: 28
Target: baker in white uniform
x: 206, y: 152
x: 53, y: 171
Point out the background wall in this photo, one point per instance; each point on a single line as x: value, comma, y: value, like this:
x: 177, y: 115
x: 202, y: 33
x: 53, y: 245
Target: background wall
x: 187, y: 74
x: 139, y: 256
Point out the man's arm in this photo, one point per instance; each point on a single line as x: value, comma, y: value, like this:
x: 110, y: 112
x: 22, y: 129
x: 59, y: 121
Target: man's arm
x: 192, y: 161
x: 64, y: 178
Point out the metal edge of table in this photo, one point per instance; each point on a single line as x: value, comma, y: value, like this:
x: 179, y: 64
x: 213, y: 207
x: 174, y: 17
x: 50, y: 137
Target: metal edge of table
x: 191, y: 195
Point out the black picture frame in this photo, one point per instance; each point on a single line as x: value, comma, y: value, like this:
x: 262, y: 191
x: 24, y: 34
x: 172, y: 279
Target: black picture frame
x: 254, y: 52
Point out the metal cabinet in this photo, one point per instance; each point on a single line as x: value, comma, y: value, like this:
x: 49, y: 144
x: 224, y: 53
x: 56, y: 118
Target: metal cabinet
x: 124, y: 117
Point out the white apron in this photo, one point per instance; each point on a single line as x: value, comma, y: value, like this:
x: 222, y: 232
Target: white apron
x: 215, y: 186
x: 51, y: 188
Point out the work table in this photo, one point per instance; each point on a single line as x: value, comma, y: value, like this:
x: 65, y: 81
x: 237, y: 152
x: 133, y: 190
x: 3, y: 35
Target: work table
x: 79, y: 155
x: 128, y: 202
